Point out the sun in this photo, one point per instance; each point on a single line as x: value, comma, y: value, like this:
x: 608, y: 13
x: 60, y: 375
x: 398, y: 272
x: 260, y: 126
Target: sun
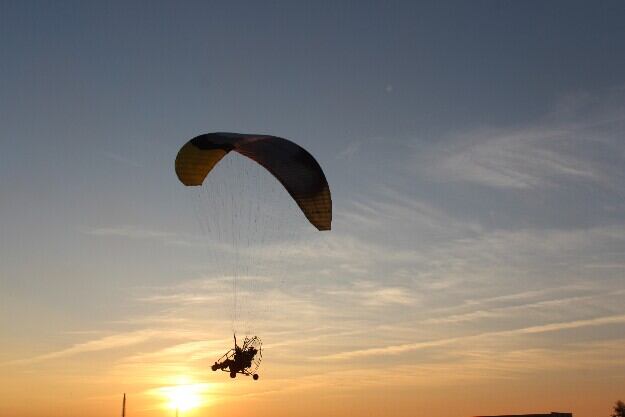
x: 183, y: 397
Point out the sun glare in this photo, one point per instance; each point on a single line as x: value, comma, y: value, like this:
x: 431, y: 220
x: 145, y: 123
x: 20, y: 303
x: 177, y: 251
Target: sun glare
x: 183, y: 397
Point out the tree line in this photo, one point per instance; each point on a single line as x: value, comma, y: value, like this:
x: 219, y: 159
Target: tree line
x: 619, y: 409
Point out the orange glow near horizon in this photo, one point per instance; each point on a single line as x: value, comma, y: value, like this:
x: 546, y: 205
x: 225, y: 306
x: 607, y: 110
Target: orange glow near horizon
x: 183, y: 396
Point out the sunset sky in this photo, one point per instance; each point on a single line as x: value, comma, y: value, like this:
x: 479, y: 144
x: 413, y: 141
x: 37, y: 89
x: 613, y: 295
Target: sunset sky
x: 476, y: 157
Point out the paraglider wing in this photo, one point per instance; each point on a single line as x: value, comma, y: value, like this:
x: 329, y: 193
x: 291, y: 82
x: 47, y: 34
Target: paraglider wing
x: 289, y: 163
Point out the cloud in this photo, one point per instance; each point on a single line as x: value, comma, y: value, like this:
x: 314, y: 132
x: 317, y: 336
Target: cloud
x: 115, y: 341
x: 551, y: 327
x: 535, y: 253
x: 511, y: 160
x: 124, y: 160
x: 136, y: 233
x: 502, y: 311
x: 372, y: 294
x: 388, y: 210
x: 181, y: 352
x: 131, y: 232
x: 599, y: 321
x: 180, y: 298
x: 569, y: 145
x: 459, y: 365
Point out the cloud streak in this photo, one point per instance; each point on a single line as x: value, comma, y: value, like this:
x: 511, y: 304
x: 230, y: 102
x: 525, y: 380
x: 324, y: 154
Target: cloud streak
x: 551, y: 327
x: 111, y: 342
x: 527, y: 158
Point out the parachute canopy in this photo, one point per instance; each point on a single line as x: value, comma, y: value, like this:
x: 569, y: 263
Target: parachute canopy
x: 289, y: 163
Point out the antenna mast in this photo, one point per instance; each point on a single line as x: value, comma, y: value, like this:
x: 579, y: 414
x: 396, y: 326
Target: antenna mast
x: 124, y: 406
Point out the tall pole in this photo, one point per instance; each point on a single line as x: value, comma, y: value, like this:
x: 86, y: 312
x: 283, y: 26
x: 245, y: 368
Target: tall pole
x: 124, y: 406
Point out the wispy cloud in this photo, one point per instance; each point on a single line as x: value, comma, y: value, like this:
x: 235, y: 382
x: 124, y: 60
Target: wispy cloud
x: 124, y: 160
x: 137, y: 233
x: 499, y: 312
x: 511, y: 160
x: 551, y: 327
x: 131, y: 232
x: 536, y: 156
x: 115, y: 341
x: 373, y: 294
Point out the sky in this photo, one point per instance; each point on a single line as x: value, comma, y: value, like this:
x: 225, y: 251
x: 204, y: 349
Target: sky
x: 476, y: 158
